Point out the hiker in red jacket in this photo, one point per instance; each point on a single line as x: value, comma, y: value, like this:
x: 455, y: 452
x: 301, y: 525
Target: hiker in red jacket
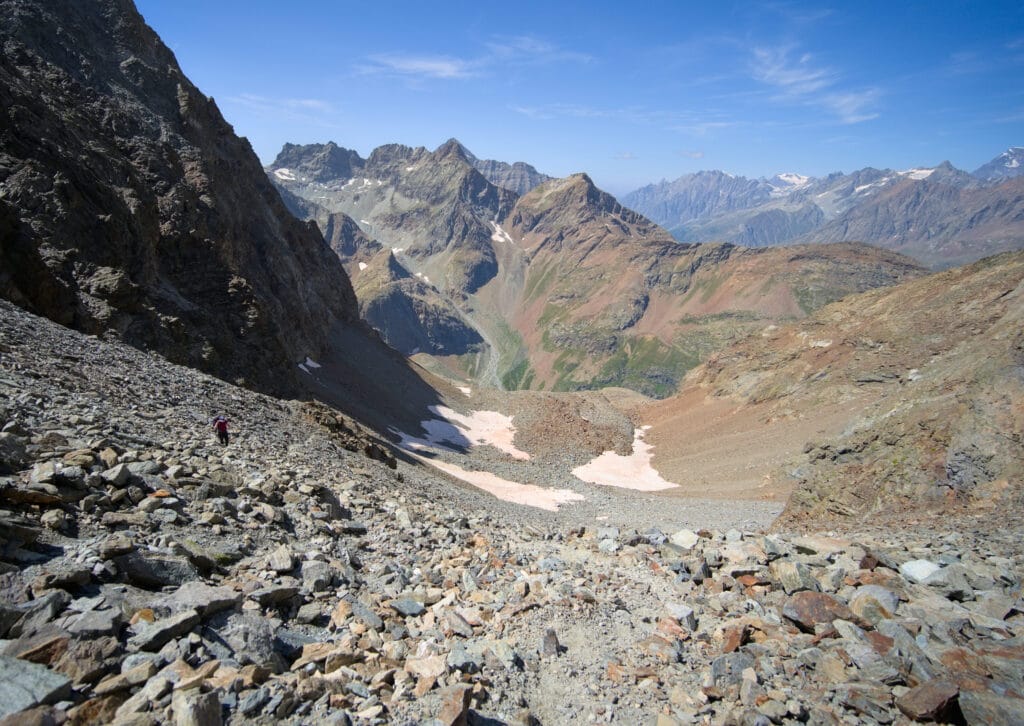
x: 220, y: 425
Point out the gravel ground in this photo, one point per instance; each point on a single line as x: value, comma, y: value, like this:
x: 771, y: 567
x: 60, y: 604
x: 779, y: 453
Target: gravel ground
x: 352, y: 592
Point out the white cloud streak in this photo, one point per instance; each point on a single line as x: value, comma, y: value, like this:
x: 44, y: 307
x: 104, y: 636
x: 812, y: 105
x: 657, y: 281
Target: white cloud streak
x: 798, y: 79
x: 313, y: 111
x: 442, y: 67
x: 516, y: 51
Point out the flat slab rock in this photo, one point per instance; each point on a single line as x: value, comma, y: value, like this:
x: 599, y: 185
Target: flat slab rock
x: 25, y: 685
x: 807, y: 609
x: 930, y: 701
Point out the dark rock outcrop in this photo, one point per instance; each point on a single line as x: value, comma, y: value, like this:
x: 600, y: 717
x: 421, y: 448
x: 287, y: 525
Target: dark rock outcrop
x: 127, y: 203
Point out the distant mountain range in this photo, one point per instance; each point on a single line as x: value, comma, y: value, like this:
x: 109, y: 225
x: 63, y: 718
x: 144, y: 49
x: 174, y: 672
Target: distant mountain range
x: 559, y: 287
x: 941, y: 216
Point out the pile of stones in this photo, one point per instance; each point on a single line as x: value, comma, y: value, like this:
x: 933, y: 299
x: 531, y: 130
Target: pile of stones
x: 149, y: 575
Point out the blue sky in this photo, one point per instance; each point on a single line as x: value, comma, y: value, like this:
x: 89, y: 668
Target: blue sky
x: 630, y: 93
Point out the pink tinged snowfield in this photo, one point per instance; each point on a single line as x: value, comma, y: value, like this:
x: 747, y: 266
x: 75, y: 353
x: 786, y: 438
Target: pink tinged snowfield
x: 628, y: 472
x: 530, y: 495
x: 478, y: 428
x: 481, y: 428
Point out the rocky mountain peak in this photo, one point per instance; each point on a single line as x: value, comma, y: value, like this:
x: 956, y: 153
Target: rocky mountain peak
x: 453, y: 149
x: 316, y: 162
x: 391, y: 153
x: 1007, y: 165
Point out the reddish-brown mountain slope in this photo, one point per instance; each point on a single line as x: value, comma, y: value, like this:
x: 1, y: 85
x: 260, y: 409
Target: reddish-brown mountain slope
x: 893, y: 399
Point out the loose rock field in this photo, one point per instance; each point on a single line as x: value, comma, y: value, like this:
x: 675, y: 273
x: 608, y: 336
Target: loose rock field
x: 302, y: 575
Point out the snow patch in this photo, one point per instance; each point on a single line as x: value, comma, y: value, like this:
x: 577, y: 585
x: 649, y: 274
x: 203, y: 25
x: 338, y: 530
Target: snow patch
x: 481, y: 428
x: 285, y: 174
x: 477, y: 428
x: 466, y: 391
x: 397, y: 250
x: 310, y: 363
x: 628, y: 472
x: 530, y: 495
x: 303, y: 368
x: 917, y: 174
x: 795, y: 180
x: 500, y: 235
x: 880, y: 183
x: 362, y: 266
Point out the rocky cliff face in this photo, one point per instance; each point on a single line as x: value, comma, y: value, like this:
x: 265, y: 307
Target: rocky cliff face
x: 1007, y: 165
x: 695, y: 196
x: 518, y: 177
x: 411, y: 314
x: 938, y: 223
x: 427, y: 204
x: 127, y: 204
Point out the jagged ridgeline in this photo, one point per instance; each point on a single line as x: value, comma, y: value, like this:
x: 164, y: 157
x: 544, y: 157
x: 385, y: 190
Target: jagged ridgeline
x: 939, y: 215
x: 127, y: 204
x: 547, y: 283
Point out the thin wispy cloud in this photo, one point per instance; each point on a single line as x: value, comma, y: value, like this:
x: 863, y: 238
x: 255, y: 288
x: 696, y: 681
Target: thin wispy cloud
x: 853, y: 107
x: 697, y: 127
x: 798, y: 78
x: 528, y: 50
x: 306, y: 109
x: 498, y: 53
x: 695, y: 154
x: 443, y: 67
x: 566, y: 110
x: 626, y: 156
x: 687, y: 122
x: 276, y: 104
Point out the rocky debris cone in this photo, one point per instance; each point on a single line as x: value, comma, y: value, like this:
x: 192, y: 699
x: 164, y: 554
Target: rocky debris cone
x: 150, y: 575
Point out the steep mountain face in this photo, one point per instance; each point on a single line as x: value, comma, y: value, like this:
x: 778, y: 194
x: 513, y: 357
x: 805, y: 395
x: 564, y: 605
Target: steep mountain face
x: 941, y: 215
x: 518, y: 177
x: 431, y: 206
x: 608, y: 298
x: 577, y: 291
x: 318, y: 162
x: 925, y: 382
x: 1007, y: 165
x: 697, y: 196
x: 410, y: 314
x: 935, y: 222
x: 127, y: 204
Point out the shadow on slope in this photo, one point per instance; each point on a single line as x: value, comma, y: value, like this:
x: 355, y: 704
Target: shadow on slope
x: 374, y: 384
